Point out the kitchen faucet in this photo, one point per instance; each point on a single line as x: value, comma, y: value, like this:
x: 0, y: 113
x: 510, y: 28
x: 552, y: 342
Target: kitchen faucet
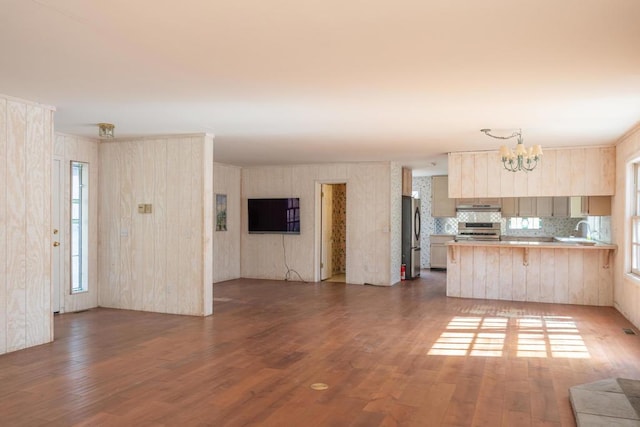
x: 588, y: 233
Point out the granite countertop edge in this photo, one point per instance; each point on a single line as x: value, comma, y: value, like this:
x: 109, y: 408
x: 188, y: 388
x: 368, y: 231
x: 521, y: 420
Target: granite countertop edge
x: 532, y: 244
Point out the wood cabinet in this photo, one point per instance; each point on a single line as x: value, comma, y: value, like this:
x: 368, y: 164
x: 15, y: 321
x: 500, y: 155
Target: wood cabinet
x: 509, y: 207
x: 519, y: 206
x: 561, y: 207
x: 441, y: 205
x: 438, y: 249
x: 527, y: 207
x: 407, y: 182
x: 543, y: 207
x: 575, y: 207
x: 553, y: 207
x: 494, y: 201
x: 556, y: 207
x: 595, y: 206
x: 562, y: 275
x: 561, y: 172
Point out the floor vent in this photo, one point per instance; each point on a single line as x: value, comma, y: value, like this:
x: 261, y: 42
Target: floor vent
x: 628, y: 331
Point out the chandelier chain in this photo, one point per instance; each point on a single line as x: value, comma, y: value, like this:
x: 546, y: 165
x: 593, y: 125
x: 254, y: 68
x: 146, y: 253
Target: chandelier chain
x: 513, y: 135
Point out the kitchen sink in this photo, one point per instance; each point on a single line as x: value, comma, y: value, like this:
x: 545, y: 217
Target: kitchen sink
x: 576, y: 240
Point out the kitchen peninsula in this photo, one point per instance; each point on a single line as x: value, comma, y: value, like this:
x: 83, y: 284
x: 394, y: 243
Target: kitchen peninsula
x: 556, y: 272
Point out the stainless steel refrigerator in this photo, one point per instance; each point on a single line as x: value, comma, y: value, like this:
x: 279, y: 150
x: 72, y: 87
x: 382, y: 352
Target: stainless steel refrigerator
x: 411, y: 236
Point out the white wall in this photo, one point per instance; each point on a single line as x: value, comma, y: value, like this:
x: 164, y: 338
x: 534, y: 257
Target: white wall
x: 71, y: 148
x: 226, y: 244
x: 26, y: 141
x: 162, y: 261
x: 626, y: 288
x: 368, y: 221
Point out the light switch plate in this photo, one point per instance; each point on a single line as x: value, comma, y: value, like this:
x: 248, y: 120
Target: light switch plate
x: 147, y: 208
x: 141, y: 208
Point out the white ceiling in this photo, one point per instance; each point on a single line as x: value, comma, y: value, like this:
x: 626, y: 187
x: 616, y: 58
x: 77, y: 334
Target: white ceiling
x: 290, y: 81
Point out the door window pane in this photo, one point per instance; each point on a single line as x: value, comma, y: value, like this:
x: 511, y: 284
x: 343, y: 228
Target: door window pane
x: 79, y: 227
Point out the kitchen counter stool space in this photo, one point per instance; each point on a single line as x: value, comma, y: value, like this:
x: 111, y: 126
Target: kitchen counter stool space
x: 531, y: 271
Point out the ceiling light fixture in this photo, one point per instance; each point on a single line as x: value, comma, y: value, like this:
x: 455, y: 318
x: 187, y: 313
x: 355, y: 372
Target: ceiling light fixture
x: 105, y: 130
x: 519, y: 159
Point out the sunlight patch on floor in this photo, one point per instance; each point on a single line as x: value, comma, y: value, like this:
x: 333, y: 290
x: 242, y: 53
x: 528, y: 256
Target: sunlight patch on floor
x: 529, y: 336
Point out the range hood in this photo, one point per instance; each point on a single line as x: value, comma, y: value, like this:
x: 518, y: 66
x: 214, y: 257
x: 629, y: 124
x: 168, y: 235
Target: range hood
x: 478, y: 206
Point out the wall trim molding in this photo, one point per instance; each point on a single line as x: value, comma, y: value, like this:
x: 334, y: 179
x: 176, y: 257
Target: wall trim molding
x: 628, y: 134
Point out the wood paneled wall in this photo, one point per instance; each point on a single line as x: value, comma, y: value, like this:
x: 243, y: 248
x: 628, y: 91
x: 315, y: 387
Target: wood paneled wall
x: 226, y: 244
x: 626, y: 286
x: 368, y: 220
x: 26, y: 143
x: 72, y: 148
x: 561, y: 172
x: 162, y: 261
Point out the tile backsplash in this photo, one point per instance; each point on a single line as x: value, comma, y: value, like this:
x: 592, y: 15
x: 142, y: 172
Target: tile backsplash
x: 550, y: 227
x: 600, y: 226
x: 445, y: 226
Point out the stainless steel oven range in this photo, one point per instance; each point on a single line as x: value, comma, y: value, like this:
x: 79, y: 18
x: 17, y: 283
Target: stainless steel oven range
x: 478, y: 231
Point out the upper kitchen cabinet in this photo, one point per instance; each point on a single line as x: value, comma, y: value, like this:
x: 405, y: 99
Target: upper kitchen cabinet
x: 553, y: 207
x: 407, y: 182
x: 586, y: 171
x: 591, y: 206
x: 441, y: 205
x: 523, y: 206
x: 561, y: 207
x: 543, y: 207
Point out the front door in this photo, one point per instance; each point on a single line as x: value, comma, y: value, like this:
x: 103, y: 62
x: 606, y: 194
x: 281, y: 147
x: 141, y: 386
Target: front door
x: 57, y: 181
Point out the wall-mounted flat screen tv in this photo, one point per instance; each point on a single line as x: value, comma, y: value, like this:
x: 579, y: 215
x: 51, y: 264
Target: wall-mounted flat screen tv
x: 278, y: 216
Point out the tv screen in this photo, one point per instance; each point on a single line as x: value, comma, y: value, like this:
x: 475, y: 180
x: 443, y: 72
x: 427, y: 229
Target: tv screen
x: 281, y: 216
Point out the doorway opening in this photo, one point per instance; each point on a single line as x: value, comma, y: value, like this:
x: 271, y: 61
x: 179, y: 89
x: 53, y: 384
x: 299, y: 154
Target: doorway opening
x: 333, y: 225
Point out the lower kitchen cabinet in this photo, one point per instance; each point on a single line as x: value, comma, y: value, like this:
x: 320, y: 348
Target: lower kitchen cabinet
x: 438, y: 249
x: 549, y: 272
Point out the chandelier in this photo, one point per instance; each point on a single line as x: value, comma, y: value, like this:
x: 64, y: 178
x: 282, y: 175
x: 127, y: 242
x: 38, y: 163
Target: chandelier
x: 520, y: 158
x: 105, y: 130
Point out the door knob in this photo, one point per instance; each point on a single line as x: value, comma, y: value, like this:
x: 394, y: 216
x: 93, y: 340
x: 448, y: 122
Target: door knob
x: 55, y: 244
x: 55, y: 231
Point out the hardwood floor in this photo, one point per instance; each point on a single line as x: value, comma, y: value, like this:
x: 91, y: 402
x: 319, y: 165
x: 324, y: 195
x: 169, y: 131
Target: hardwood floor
x: 400, y: 356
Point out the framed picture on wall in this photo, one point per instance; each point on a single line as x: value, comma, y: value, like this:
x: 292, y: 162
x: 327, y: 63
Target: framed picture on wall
x: 221, y: 212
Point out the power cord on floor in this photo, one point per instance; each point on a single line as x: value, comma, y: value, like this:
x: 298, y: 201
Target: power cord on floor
x: 290, y: 271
